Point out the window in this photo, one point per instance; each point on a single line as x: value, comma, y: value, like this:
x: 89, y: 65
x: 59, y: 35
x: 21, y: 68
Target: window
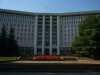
x: 72, y: 30
x: 21, y: 38
x: 65, y: 39
x: 21, y: 29
x: 6, y: 24
x: 65, y: 43
x: 18, y: 25
x: 75, y: 30
x: 10, y: 24
x: 22, y: 25
x: 28, y: 34
x: 25, y: 25
x: 71, y: 26
x: 29, y: 30
x: 24, y: 34
x: 18, y: 29
x: 25, y: 29
x: 21, y: 34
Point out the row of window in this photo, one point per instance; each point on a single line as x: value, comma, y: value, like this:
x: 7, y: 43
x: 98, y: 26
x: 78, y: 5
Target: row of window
x: 16, y: 16
x: 66, y: 43
x: 21, y: 30
x: 69, y: 26
x: 72, y: 30
x: 71, y: 34
x: 68, y: 48
x: 73, y: 18
x: 17, y: 21
x: 24, y: 38
x: 25, y: 34
x: 70, y: 22
x: 17, y: 25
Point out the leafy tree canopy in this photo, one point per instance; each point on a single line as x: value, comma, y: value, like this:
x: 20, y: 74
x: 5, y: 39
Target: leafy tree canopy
x: 88, y: 41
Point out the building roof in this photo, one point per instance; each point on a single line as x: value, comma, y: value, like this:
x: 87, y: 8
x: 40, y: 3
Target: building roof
x: 67, y: 13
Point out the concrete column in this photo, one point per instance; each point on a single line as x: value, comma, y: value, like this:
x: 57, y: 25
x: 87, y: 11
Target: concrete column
x: 35, y: 35
x: 50, y: 36
x: 43, y: 35
x: 58, y: 35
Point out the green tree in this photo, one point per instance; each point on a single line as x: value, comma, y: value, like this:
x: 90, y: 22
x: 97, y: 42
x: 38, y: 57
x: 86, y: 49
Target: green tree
x: 12, y: 43
x: 88, y: 41
x: 3, y: 40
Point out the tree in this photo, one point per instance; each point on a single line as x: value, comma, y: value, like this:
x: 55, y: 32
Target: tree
x: 3, y: 40
x: 88, y: 41
x: 12, y: 43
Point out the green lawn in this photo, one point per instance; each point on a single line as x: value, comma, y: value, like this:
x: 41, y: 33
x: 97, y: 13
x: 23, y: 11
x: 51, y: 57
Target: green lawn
x: 7, y: 58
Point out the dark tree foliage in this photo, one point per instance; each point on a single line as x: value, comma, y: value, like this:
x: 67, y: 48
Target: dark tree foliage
x: 12, y: 43
x: 88, y: 42
x: 8, y: 44
x: 3, y: 42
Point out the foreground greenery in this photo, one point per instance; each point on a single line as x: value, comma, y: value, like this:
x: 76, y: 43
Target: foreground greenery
x: 8, y: 44
x: 7, y: 58
x: 87, y: 44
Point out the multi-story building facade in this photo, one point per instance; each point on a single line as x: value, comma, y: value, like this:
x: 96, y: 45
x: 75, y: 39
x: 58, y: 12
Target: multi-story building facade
x: 44, y: 33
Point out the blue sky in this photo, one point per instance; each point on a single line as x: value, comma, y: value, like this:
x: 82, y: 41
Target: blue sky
x: 51, y: 6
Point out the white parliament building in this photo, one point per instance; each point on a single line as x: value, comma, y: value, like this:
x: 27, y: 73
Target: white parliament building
x: 44, y: 33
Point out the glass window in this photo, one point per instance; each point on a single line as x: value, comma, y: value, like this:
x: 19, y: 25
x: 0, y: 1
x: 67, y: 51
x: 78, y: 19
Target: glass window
x: 18, y: 29
x: 25, y: 29
x: 28, y: 34
x: 18, y: 25
x: 65, y: 43
x: 29, y: 30
x: 65, y: 38
x: 24, y: 34
x: 21, y: 34
x: 72, y: 30
x: 21, y: 29
x: 25, y: 25
x: 22, y: 25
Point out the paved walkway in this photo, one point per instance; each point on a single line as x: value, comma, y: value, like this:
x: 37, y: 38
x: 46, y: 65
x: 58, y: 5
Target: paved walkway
x: 60, y: 62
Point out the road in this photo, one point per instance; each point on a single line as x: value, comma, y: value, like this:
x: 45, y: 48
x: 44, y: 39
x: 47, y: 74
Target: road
x: 47, y: 67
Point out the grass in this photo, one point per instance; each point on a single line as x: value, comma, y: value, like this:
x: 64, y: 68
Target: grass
x: 7, y: 58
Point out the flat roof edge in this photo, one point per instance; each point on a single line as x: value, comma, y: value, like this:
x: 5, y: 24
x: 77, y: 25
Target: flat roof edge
x: 34, y: 13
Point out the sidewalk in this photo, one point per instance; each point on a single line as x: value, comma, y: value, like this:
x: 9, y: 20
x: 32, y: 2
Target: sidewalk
x: 59, y: 62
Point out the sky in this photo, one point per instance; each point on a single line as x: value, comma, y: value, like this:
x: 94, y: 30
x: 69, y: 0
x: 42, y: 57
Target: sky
x: 51, y: 6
